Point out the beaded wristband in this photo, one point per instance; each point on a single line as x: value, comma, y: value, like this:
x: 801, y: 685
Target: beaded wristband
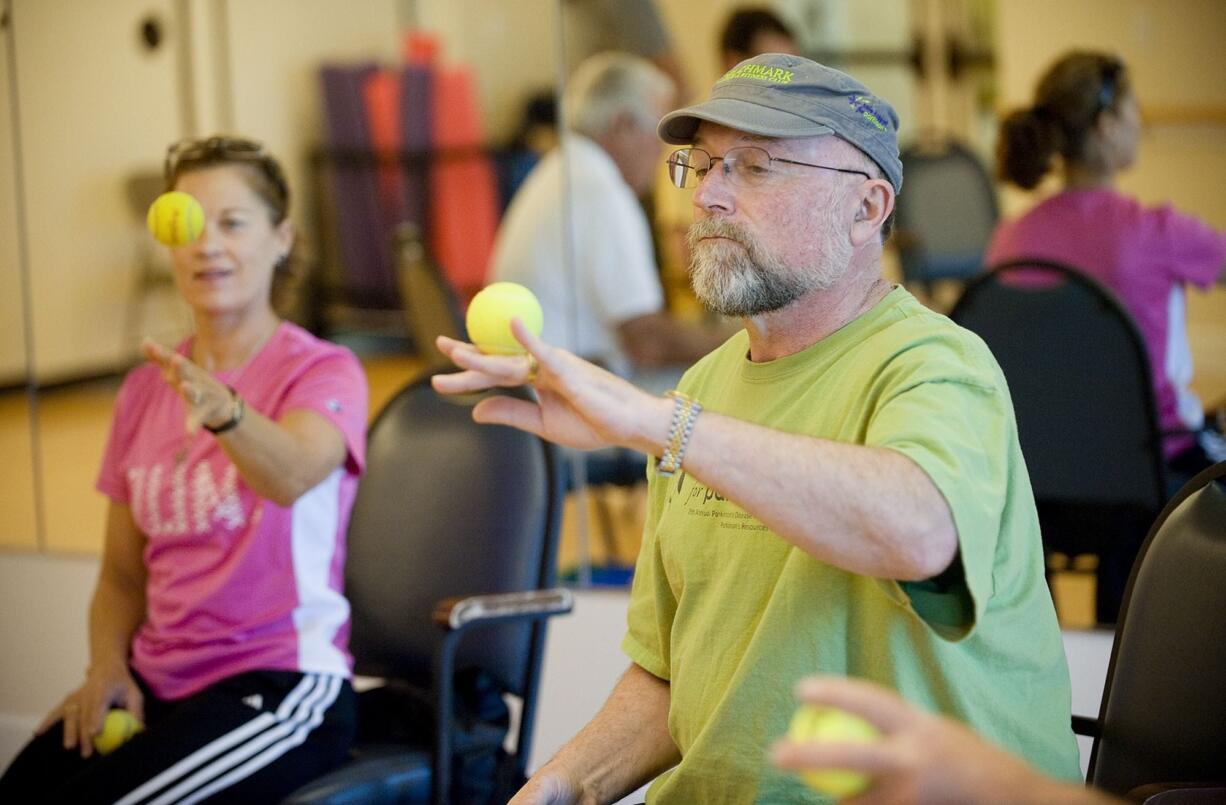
x: 685, y: 412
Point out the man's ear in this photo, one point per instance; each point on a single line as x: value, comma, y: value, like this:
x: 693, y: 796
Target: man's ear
x: 623, y: 122
x: 875, y: 202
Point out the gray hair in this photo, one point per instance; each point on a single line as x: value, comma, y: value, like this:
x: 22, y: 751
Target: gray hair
x: 611, y: 84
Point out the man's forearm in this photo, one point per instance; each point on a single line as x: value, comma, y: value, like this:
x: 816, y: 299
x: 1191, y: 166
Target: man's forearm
x: 625, y: 745
x: 865, y: 509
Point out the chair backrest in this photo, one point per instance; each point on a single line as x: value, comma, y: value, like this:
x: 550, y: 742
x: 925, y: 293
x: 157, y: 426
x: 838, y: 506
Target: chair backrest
x: 1163, y: 714
x: 1079, y: 379
x: 141, y: 189
x: 447, y: 508
x: 945, y: 213
x: 430, y: 305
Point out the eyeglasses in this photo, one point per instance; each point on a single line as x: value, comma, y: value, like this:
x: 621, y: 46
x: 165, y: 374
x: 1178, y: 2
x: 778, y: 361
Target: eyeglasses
x: 744, y: 166
x: 223, y: 149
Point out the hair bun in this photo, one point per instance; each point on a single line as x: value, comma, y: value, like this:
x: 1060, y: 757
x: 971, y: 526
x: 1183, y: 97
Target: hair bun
x: 1025, y: 147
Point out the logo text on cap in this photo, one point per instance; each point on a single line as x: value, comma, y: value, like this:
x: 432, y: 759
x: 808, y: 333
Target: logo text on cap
x: 863, y: 105
x: 774, y: 75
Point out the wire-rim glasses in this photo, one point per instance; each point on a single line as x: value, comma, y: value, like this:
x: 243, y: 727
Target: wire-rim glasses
x: 746, y: 166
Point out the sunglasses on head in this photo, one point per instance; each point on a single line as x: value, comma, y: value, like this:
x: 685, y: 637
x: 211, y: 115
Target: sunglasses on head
x: 222, y: 149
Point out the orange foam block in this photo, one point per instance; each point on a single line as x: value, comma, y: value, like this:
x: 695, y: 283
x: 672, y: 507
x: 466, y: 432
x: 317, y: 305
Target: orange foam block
x: 463, y: 188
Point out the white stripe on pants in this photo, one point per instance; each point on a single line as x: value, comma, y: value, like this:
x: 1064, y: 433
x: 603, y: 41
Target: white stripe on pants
x: 249, y: 747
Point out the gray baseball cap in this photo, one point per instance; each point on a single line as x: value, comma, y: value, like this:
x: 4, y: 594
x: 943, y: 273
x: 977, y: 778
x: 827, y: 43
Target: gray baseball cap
x: 777, y: 95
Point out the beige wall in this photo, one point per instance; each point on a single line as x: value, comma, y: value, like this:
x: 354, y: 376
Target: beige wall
x: 1178, y: 64
x: 89, y: 121
x: 12, y: 324
x: 275, y: 50
x: 85, y: 122
x: 510, y: 46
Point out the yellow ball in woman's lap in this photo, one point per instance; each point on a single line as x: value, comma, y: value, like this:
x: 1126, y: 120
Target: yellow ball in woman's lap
x: 117, y: 728
x: 175, y: 218
x: 490, y: 313
x: 831, y: 725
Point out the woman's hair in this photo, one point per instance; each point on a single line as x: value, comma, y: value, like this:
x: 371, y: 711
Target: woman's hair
x: 266, y: 179
x: 1072, y: 94
x: 610, y: 84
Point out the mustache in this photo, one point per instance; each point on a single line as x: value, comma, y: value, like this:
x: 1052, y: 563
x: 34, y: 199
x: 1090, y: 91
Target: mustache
x: 714, y: 227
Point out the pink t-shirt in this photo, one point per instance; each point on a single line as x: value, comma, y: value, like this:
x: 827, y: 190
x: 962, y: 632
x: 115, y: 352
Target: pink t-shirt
x: 235, y: 582
x: 1146, y: 256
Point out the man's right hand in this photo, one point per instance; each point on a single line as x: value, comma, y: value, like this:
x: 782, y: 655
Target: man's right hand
x: 578, y: 404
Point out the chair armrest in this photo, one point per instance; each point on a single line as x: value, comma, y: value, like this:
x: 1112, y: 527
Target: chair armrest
x: 1179, y: 793
x: 459, y: 613
x: 455, y: 615
x: 1085, y: 725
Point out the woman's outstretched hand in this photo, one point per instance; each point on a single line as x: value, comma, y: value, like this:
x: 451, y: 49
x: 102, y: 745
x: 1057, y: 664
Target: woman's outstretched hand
x: 208, y: 400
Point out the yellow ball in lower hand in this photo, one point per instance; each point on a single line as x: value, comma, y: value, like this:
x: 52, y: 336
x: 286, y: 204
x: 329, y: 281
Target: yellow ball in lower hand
x: 831, y: 725
x: 175, y: 218
x: 117, y: 728
x: 490, y: 313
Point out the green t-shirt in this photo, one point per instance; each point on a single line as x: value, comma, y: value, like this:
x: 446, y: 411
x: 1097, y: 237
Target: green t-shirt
x: 732, y: 615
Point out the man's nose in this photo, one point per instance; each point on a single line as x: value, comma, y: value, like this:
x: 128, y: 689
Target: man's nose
x: 714, y: 191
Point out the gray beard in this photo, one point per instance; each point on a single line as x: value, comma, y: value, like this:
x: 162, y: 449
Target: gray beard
x: 745, y: 280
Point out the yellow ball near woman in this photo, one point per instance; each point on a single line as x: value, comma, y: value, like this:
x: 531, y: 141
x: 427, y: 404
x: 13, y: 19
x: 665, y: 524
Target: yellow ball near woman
x: 490, y: 313
x: 175, y: 218
x: 830, y: 725
x: 117, y: 728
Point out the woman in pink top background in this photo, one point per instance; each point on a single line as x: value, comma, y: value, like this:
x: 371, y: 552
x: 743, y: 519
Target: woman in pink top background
x: 219, y: 619
x: 1086, y: 125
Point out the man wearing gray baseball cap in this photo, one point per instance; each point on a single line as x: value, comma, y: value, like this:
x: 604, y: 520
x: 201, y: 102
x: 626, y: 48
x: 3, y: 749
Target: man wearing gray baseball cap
x: 837, y: 489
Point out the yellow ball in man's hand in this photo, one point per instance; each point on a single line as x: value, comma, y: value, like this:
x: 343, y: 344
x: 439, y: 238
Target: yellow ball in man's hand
x: 490, y: 313
x: 830, y: 725
x: 117, y: 728
x: 175, y: 218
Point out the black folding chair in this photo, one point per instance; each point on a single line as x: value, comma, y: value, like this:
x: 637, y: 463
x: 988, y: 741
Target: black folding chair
x: 1160, y: 736
x: 450, y: 573
x: 1080, y: 382
x: 945, y: 213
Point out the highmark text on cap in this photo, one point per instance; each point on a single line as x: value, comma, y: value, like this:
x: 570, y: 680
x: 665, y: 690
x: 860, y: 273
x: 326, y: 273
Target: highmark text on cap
x: 775, y: 75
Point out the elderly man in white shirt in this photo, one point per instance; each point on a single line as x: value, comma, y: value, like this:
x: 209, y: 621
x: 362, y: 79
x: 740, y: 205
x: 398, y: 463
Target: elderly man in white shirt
x: 576, y: 234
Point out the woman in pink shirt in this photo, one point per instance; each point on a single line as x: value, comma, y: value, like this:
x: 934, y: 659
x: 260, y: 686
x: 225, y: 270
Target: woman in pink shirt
x: 219, y: 619
x: 1085, y: 123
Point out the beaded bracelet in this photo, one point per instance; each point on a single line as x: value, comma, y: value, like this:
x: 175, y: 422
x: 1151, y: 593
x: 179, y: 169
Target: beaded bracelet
x: 685, y: 411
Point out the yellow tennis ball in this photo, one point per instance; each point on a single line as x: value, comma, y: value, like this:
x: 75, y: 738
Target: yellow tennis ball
x: 490, y: 313
x: 831, y: 725
x: 175, y: 218
x: 117, y: 728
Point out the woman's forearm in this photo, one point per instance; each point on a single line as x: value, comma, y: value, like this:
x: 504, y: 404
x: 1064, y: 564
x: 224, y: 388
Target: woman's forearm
x: 282, y: 460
